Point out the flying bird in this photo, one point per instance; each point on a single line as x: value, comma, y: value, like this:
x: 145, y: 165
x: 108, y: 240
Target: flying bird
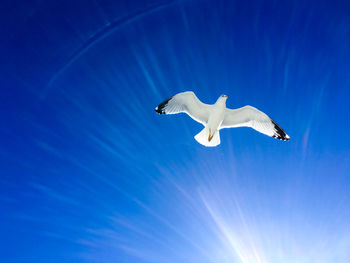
x: 216, y: 117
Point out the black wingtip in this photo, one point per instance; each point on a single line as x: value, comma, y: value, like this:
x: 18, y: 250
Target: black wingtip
x: 160, y: 109
x: 280, y: 134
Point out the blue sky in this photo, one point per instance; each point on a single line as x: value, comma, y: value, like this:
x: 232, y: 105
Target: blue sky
x: 90, y: 173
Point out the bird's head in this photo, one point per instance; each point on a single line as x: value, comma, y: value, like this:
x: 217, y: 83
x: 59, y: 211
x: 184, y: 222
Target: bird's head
x: 222, y: 99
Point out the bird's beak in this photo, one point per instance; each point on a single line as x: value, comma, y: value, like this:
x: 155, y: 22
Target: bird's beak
x: 227, y: 96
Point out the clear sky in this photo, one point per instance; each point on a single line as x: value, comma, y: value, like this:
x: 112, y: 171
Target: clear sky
x: 90, y: 173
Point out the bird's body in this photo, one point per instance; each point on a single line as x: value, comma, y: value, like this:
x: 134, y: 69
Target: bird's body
x: 217, y: 116
x: 210, y: 134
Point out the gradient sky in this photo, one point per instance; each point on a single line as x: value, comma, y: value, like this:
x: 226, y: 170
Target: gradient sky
x: 90, y: 173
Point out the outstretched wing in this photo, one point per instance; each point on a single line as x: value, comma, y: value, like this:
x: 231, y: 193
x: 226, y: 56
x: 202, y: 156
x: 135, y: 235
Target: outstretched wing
x: 186, y: 102
x: 249, y: 116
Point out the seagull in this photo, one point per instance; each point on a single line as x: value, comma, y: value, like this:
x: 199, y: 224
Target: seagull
x: 216, y: 117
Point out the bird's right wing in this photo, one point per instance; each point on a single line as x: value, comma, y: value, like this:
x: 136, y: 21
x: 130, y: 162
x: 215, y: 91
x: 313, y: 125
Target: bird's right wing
x: 186, y: 102
x: 249, y: 116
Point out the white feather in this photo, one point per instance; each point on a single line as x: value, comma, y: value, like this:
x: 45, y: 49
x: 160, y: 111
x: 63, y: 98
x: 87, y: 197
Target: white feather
x: 187, y: 102
x: 249, y: 116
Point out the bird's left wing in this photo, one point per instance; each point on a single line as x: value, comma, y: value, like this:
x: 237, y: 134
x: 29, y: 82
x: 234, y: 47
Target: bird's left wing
x: 186, y: 102
x: 249, y: 116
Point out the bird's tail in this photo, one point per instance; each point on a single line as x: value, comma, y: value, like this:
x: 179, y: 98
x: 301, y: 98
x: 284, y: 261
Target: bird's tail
x: 208, y: 138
